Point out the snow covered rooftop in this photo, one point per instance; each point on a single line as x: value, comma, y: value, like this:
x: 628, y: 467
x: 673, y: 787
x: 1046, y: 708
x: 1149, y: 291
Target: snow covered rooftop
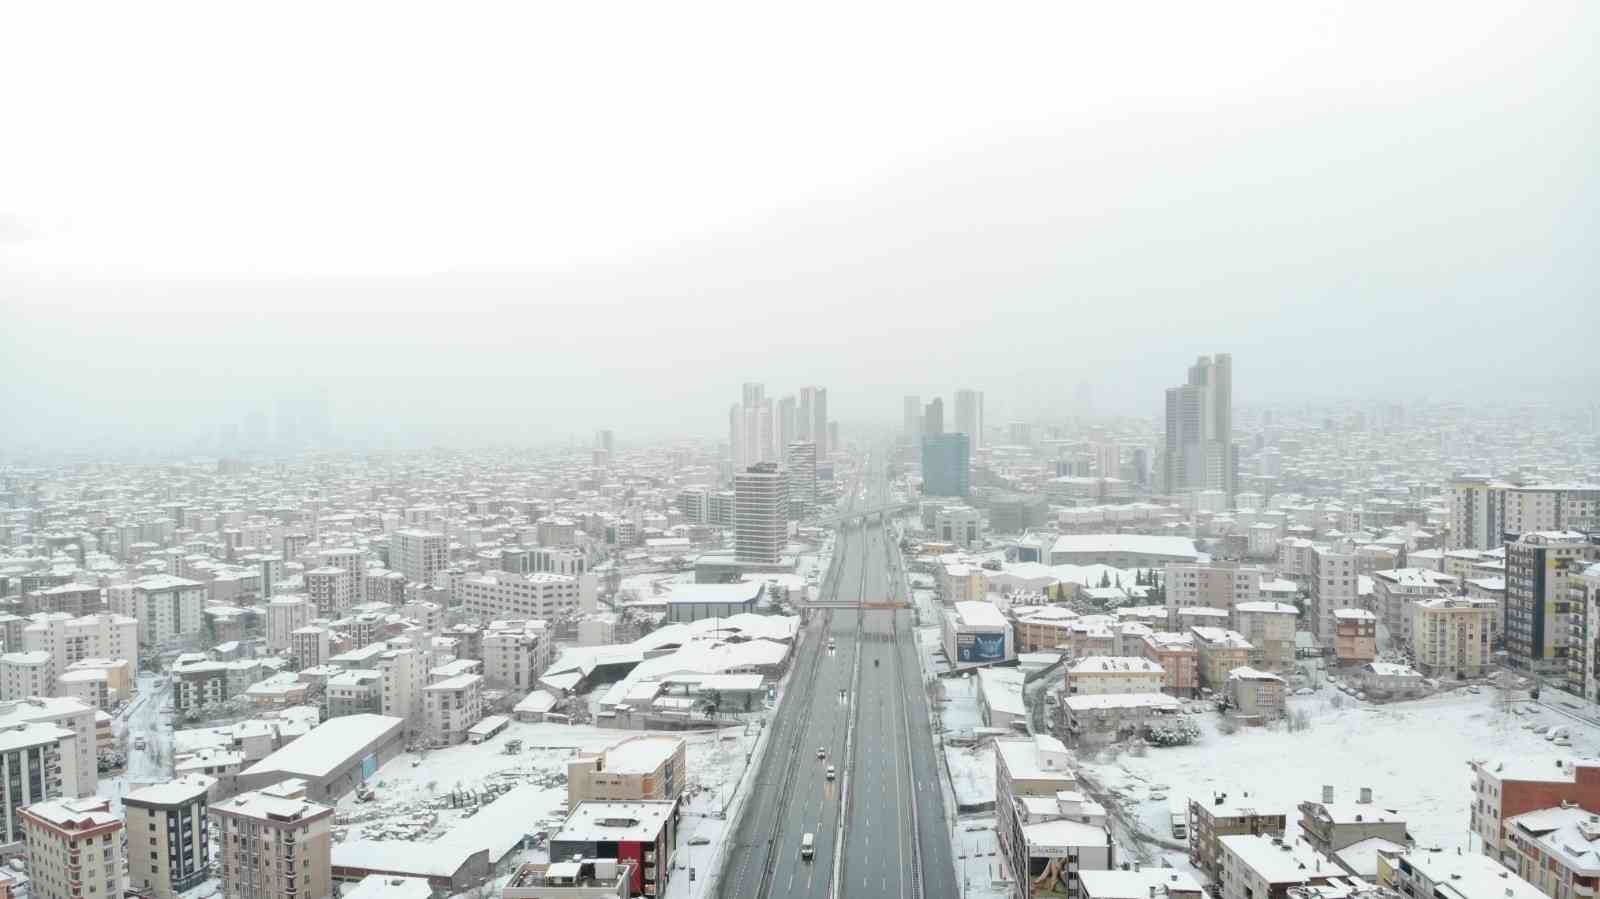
x: 1279, y: 861
x: 1112, y: 664
x: 174, y: 792
x: 329, y: 745
x: 1135, y: 884
x: 1137, y: 544
x: 1160, y: 701
x: 610, y: 822
x: 641, y: 755
x: 979, y: 614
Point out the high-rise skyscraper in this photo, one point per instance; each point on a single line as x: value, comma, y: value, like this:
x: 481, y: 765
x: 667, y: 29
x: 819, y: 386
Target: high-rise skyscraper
x: 946, y: 459
x: 760, y: 519
x: 786, y: 423
x: 803, y: 416
x: 604, y: 440
x: 911, y: 413
x: 819, y: 421
x: 933, y: 417
x: 801, y: 462
x: 969, y: 416
x: 752, y: 429
x: 1198, y: 451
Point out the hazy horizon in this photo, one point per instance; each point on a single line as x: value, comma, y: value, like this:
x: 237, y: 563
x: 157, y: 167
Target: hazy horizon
x: 529, y: 223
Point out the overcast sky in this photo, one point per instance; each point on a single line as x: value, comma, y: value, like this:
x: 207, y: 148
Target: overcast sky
x: 481, y: 223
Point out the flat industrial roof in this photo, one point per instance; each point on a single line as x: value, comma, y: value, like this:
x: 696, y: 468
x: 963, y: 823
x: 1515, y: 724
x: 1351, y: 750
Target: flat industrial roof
x: 328, y: 745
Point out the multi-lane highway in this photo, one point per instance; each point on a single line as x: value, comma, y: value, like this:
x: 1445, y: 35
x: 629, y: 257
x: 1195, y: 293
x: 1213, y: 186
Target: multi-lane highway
x: 864, y: 703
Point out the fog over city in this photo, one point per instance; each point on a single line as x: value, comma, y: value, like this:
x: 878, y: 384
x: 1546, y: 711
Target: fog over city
x: 825, y: 451
x: 523, y: 223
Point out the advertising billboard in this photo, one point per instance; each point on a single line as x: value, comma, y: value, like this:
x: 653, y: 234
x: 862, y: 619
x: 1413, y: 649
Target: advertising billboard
x: 980, y: 647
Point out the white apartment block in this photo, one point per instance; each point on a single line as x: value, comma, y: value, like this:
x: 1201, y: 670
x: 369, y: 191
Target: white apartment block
x: 418, y: 554
x: 167, y: 608
x: 1450, y: 636
x: 285, y: 615
x: 1213, y: 586
x: 1334, y: 585
x: 503, y: 595
x: 309, y: 646
x: 274, y: 844
x: 74, y: 848
x: 1101, y: 675
x: 1484, y: 511
x: 515, y: 653
x: 69, y: 640
x: 332, y: 590
x: 451, y: 707
x: 24, y: 674
x: 35, y: 765
x: 1270, y: 628
x: 79, y: 773
x: 405, y: 673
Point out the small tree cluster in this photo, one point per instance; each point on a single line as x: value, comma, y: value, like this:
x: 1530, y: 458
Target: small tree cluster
x: 1176, y: 732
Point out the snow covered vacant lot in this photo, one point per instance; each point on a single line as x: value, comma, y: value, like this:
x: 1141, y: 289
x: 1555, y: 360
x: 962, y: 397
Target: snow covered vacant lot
x: 1413, y: 755
x: 413, y: 798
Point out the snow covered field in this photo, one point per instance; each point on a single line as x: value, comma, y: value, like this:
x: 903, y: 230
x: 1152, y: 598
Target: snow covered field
x: 972, y: 773
x: 1413, y: 755
x: 415, y: 791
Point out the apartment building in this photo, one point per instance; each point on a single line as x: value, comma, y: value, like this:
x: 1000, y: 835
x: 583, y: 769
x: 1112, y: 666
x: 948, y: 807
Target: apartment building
x: 516, y: 652
x: 1211, y: 818
x: 418, y: 554
x: 1540, y: 617
x: 1330, y: 827
x: 1258, y: 866
x: 450, y: 707
x: 1554, y: 849
x: 167, y: 608
x: 68, y: 640
x: 1221, y: 651
x: 79, y: 775
x: 1450, y: 636
x: 1042, y: 628
x: 24, y: 674
x: 332, y: 590
x: 1270, y: 628
x: 1507, y: 787
x: 1334, y: 585
x: 169, y: 840
x: 1179, y: 660
x: 1035, y: 834
x: 74, y: 848
x: 1099, y: 675
x: 643, y: 767
x: 1213, y: 586
x: 1253, y: 696
x: 1394, y: 591
x: 1583, y: 673
x: 36, y: 764
x: 274, y: 844
x: 1436, y: 872
x: 1355, y: 636
x: 285, y: 615
x: 72, y: 600
x: 309, y: 646
x: 498, y: 595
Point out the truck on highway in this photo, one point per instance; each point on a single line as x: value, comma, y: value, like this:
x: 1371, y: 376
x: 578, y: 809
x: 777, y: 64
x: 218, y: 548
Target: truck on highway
x: 1178, y: 806
x: 808, y: 845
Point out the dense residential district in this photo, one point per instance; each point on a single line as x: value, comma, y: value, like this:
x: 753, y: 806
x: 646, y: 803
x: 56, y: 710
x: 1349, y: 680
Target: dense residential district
x: 1322, y: 652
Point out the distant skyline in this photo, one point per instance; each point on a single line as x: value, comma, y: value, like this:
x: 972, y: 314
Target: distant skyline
x: 529, y: 238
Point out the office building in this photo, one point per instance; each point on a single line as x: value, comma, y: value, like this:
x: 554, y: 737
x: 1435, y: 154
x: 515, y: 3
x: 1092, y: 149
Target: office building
x: 801, y: 459
x: 274, y: 843
x: 418, y: 554
x: 500, y: 594
x: 911, y: 418
x: 946, y: 464
x: 933, y: 417
x: 969, y: 417
x: 786, y: 421
x: 820, y: 432
x: 74, y: 848
x: 760, y: 522
x: 1198, y: 452
x: 169, y: 843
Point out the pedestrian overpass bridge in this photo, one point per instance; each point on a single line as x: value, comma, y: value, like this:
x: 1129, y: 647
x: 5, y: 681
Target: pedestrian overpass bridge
x: 858, y: 516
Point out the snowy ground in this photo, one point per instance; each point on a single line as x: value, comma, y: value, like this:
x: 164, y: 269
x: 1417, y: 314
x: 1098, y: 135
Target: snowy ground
x: 142, y: 717
x: 1412, y: 754
x: 978, y: 863
x: 415, y: 791
x: 959, y: 714
x: 972, y: 772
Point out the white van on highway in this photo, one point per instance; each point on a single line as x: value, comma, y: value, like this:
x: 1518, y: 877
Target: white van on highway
x: 808, y: 845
